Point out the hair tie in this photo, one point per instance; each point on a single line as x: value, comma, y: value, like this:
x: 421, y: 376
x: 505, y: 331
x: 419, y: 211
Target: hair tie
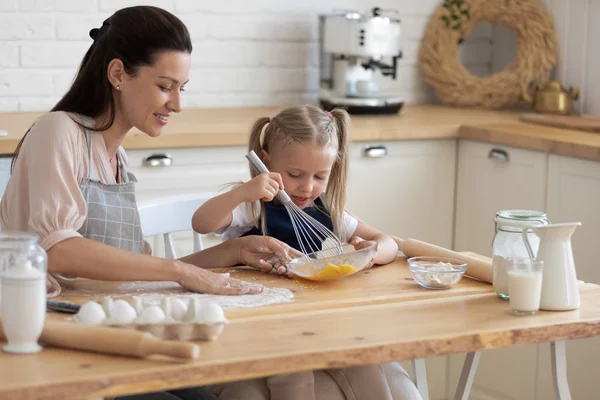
x: 330, y: 115
x: 96, y: 32
x: 270, y: 119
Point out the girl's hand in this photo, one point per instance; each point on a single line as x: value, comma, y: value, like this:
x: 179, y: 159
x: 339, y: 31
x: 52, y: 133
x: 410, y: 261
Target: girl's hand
x: 360, y: 243
x: 262, y: 187
x: 201, y: 280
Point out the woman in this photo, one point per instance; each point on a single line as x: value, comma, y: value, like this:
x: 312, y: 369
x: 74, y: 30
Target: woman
x: 71, y: 182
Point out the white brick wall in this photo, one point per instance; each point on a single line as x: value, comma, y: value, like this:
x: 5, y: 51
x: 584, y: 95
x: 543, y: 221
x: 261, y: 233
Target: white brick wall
x: 246, y: 52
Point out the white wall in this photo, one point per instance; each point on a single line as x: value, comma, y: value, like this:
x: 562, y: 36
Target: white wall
x: 246, y: 52
x: 579, y: 65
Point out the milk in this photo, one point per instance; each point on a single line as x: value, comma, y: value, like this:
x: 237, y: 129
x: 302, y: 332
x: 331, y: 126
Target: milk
x: 525, y: 289
x: 23, y: 308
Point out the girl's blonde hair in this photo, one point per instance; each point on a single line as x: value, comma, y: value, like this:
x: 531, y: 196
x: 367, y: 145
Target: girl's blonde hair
x: 304, y: 124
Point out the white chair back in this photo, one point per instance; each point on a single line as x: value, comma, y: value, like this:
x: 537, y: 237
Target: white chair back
x: 170, y: 214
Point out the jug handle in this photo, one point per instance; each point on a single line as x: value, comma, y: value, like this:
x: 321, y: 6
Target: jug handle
x: 527, y: 244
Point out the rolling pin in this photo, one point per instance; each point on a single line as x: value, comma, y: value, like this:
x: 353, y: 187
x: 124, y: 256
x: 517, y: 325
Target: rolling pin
x: 119, y: 341
x: 476, y: 268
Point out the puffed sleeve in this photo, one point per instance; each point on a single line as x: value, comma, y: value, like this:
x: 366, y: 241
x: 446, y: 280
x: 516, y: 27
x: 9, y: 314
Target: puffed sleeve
x: 43, y: 194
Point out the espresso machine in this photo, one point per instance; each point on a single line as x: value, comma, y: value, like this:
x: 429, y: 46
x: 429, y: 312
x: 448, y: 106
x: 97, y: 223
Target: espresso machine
x: 353, y: 48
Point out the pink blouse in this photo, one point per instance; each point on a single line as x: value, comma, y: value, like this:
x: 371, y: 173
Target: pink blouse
x: 43, y: 195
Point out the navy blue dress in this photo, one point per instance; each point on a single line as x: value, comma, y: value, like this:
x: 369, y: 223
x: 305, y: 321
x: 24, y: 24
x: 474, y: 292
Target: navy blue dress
x: 279, y: 225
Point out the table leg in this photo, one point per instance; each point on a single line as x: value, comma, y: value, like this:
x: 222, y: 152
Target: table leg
x: 420, y: 372
x: 467, y: 376
x: 558, y: 353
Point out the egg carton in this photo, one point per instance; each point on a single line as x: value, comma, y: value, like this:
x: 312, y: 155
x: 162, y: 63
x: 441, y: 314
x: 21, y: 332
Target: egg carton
x: 177, y: 330
x: 174, y: 319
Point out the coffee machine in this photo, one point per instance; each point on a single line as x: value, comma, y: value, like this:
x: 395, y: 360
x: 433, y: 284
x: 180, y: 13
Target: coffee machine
x: 352, y: 47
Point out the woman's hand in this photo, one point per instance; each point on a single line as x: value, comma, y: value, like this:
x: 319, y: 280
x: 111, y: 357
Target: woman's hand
x: 360, y: 243
x: 262, y: 187
x: 203, y: 281
x: 265, y: 253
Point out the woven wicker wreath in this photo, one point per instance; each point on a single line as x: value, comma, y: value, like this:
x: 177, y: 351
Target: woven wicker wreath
x: 536, y: 52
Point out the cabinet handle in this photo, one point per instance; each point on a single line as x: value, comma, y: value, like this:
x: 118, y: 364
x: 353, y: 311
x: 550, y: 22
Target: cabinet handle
x: 499, y: 154
x: 158, y: 160
x: 375, y: 151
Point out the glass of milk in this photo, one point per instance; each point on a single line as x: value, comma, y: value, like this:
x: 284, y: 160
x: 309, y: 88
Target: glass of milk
x: 524, y: 285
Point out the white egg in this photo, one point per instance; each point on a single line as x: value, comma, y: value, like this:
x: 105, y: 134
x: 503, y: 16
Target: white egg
x: 122, y: 313
x: 211, y: 313
x: 178, y: 309
x: 91, y: 313
x: 151, y: 315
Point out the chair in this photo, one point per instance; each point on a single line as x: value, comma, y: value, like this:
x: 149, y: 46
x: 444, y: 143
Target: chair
x: 170, y: 214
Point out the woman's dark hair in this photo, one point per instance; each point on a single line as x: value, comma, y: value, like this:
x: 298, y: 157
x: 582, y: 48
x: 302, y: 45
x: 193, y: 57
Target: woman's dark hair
x: 135, y: 35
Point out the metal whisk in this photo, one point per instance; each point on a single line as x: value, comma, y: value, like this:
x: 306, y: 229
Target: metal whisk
x: 313, y: 236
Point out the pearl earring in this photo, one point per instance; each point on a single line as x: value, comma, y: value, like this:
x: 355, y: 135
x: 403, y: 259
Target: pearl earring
x: 118, y: 87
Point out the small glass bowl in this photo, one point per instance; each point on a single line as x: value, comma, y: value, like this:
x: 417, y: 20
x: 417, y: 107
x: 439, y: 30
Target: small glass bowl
x: 436, y: 272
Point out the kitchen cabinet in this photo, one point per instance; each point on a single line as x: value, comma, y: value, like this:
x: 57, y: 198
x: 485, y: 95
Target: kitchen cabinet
x: 491, y: 178
x: 402, y: 188
x: 405, y: 188
x: 574, y: 195
x: 168, y: 172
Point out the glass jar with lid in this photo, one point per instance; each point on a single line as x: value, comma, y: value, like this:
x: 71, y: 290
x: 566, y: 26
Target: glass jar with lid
x: 508, y: 242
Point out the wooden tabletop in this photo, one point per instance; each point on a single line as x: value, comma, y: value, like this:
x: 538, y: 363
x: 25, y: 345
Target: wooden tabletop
x: 372, y: 317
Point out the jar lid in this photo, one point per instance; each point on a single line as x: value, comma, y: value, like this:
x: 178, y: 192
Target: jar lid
x: 521, y: 218
x: 22, y: 271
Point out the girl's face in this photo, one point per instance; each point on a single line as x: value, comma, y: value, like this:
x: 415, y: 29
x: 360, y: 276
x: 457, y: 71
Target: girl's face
x: 154, y: 93
x: 304, y: 168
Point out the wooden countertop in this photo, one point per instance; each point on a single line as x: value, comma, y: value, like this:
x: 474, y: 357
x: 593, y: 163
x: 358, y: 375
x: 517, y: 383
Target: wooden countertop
x: 324, y: 326
x: 230, y: 127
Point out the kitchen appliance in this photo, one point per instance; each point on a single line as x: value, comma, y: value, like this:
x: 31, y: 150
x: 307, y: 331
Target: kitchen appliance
x: 353, y: 48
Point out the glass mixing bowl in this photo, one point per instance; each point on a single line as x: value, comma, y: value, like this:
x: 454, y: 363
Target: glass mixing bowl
x: 319, y: 267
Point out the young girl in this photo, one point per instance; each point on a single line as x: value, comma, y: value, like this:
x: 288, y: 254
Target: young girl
x: 306, y: 152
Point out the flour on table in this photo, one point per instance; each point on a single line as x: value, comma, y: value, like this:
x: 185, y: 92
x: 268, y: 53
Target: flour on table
x: 267, y: 297
x: 152, y: 293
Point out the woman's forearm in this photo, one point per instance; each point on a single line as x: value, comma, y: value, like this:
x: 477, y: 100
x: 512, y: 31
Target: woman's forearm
x: 222, y: 255
x: 89, y: 259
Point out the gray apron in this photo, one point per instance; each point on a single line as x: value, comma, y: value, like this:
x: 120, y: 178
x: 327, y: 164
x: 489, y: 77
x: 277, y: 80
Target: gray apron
x: 112, y: 214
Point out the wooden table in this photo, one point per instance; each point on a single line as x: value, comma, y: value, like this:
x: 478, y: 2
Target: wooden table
x: 377, y: 316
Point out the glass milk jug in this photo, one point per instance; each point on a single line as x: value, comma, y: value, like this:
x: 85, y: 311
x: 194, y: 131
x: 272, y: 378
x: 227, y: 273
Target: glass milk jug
x: 508, y: 242
x: 23, y: 268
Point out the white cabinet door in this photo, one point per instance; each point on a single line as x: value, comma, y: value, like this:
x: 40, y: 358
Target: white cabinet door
x: 194, y: 170
x: 408, y: 192
x: 492, y: 178
x: 574, y: 195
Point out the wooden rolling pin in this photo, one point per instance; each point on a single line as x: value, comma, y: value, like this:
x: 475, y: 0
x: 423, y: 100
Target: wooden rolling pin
x: 476, y: 268
x: 119, y: 341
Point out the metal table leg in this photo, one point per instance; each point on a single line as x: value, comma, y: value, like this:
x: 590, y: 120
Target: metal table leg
x: 558, y: 354
x: 420, y: 372
x: 467, y: 376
